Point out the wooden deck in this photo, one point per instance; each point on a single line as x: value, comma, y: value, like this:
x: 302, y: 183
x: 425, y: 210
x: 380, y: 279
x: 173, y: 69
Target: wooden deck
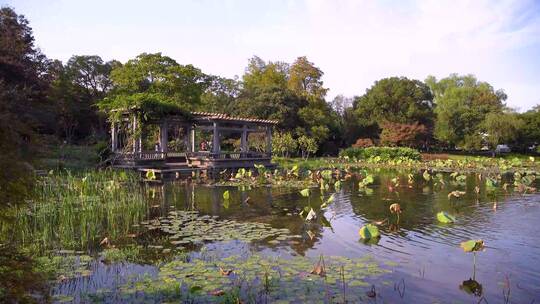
x: 174, y: 165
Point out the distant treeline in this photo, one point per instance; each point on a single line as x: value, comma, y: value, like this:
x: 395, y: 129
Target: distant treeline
x: 40, y: 96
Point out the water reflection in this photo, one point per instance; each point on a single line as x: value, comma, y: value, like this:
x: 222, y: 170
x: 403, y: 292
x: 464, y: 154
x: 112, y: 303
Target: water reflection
x: 472, y: 287
x: 421, y: 251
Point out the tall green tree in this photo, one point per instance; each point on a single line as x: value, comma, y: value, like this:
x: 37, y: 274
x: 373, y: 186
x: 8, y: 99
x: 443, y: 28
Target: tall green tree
x: 220, y: 95
x: 264, y: 94
x: 292, y: 94
x: 501, y: 128
x: 76, y: 87
x: 158, y: 77
x: 23, y: 82
x: 396, y: 101
x: 462, y: 103
x: 529, y: 134
x: 305, y: 79
x: 319, y: 121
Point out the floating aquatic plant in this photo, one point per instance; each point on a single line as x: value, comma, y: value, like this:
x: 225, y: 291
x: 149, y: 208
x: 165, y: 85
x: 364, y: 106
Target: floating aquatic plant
x: 366, y: 181
x: 456, y: 194
x: 189, y: 227
x: 305, y: 192
x: 369, y: 231
x: 395, y: 208
x: 226, y: 195
x: 473, y: 246
x: 295, y: 279
x: 426, y: 176
x: 444, y: 217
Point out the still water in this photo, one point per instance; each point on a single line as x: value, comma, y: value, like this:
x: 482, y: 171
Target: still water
x: 422, y: 258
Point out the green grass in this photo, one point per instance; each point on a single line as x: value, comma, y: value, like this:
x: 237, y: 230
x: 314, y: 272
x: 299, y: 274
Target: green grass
x: 71, y: 157
x: 76, y: 211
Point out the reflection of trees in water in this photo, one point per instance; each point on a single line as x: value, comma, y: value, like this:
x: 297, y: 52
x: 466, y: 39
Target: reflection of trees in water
x: 420, y: 201
x: 263, y: 204
x: 280, y: 206
x: 471, y: 286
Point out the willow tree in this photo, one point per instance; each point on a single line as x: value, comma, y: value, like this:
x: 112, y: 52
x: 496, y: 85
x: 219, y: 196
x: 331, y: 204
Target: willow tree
x: 462, y: 104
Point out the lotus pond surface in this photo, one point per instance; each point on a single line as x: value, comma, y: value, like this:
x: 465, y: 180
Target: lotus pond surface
x: 273, y: 244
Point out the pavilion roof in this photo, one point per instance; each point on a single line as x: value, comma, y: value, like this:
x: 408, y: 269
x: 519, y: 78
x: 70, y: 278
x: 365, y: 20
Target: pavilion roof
x: 227, y: 117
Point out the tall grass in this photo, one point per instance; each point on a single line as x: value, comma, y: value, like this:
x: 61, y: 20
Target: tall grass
x: 77, y: 211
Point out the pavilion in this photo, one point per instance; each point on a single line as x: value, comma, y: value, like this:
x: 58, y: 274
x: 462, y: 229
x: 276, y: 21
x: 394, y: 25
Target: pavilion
x: 193, y: 141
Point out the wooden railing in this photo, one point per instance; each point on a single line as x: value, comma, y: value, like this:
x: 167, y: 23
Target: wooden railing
x: 229, y: 155
x: 151, y: 155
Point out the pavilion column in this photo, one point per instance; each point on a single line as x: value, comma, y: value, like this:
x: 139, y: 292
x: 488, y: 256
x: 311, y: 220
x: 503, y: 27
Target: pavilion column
x: 191, y: 139
x: 136, y: 139
x: 269, y: 139
x: 164, y: 136
x: 114, y: 136
x: 216, y: 144
x: 243, y: 139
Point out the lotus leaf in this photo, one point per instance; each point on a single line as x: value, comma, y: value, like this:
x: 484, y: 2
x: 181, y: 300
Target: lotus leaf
x: 472, y: 245
x: 369, y: 231
x: 444, y: 217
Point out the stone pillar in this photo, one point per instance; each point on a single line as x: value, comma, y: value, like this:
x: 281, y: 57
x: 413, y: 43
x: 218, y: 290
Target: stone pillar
x: 268, y: 139
x: 114, y: 137
x: 192, y: 138
x: 164, y: 136
x: 243, y: 140
x: 136, y: 139
x: 216, y: 144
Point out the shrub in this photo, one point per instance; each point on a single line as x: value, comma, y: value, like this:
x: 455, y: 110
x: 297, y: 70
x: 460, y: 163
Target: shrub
x: 396, y: 134
x: 363, y: 143
x: 307, y: 145
x: 284, y: 143
x: 383, y: 153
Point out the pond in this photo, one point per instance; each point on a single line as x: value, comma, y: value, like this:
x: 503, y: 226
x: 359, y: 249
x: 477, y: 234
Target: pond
x: 200, y: 243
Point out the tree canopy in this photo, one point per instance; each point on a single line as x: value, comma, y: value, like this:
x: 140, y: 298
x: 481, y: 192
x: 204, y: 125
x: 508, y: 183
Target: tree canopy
x: 462, y: 103
x: 48, y: 97
x: 160, y: 75
x: 23, y: 83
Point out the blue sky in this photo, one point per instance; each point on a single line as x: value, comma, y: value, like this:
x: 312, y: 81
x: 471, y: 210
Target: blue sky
x: 353, y: 42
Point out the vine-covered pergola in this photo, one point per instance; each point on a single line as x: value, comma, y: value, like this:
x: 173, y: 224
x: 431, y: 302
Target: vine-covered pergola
x: 194, y: 139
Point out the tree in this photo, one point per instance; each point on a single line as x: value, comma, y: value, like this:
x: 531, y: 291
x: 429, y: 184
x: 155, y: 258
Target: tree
x: 317, y: 116
x: 501, y: 128
x: 529, y: 134
x: 396, y: 134
x: 75, y: 90
x: 305, y: 79
x: 396, y: 100
x: 160, y: 75
x: 341, y: 103
x: 462, y: 103
x: 260, y: 74
x: 92, y: 74
x: 23, y: 82
x: 221, y: 95
x: 307, y: 145
x: 264, y: 94
x: 284, y: 143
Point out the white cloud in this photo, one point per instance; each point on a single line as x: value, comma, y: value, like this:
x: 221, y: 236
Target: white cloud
x: 358, y: 42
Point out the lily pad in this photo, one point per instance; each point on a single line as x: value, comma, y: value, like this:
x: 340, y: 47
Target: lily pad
x: 305, y: 192
x: 369, y: 231
x: 446, y: 218
x: 472, y: 245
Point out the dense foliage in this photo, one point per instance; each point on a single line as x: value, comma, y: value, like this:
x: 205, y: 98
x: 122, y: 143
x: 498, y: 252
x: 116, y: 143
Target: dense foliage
x: 463, y: 103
